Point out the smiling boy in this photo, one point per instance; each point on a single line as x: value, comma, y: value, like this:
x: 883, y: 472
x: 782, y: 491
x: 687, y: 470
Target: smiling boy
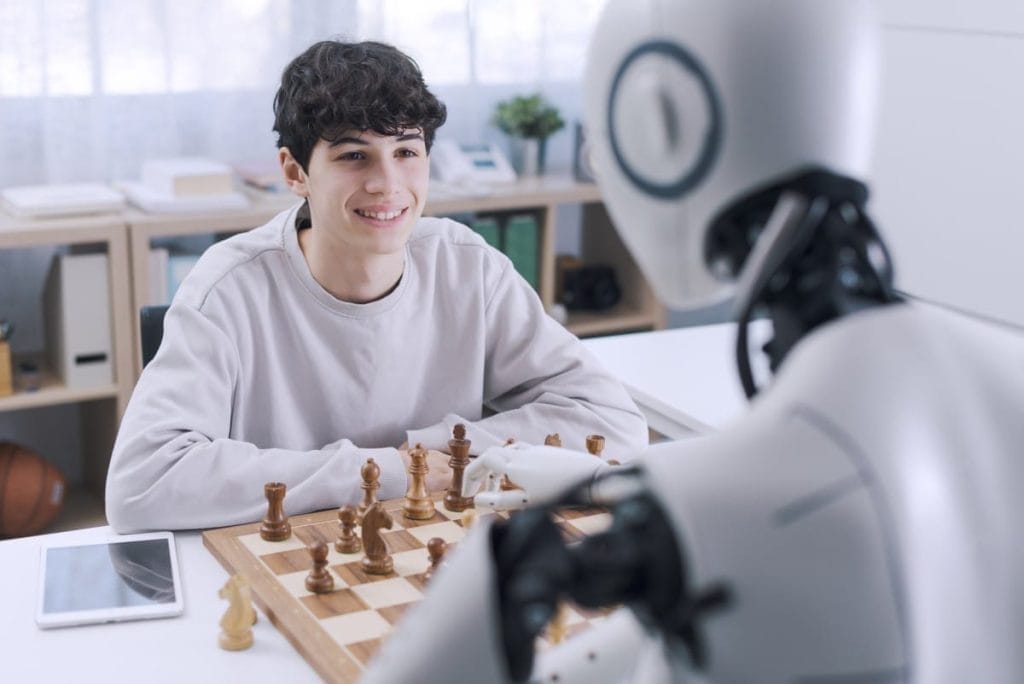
x: 347, y: 327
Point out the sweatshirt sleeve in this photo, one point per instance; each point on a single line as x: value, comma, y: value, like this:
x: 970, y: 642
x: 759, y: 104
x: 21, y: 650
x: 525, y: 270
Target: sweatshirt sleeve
x: 539, y: 379
x: 174, y: 465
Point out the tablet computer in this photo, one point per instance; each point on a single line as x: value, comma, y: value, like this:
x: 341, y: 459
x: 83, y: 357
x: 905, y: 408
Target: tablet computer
x: 121, y: 577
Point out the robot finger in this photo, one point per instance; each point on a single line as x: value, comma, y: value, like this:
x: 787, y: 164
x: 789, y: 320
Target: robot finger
x: 502, y: 500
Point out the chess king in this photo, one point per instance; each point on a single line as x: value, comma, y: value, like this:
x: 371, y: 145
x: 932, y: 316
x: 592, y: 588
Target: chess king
x: 860, y: 523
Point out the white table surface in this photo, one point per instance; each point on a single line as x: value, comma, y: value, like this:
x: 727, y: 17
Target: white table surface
x: 684, y: 379
x: 178, y: 649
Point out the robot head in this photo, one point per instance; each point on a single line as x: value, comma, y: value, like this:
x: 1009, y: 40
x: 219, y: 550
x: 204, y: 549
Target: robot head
x: 694, y: 105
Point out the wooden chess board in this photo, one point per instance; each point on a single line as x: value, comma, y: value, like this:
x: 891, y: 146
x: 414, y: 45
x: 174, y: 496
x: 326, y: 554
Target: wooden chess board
x: 339, y: 632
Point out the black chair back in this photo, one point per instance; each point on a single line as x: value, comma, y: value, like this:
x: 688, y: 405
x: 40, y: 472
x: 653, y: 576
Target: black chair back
x: 151, y: 328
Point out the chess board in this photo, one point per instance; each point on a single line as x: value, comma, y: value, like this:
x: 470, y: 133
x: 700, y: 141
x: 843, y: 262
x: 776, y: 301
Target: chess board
x: 339, y: 632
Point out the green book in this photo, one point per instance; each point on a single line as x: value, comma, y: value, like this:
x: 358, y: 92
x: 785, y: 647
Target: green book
x: 489, y: 230
x: 522, y: 245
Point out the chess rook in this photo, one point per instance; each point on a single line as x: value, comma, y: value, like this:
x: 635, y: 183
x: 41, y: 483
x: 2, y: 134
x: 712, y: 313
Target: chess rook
x: 418, y: 503
x: 348, y: 540
x: 458, y: 447
x: 275, y: 526
x: 371, y: 483
x: 319, y: 580
x: 595, y: 445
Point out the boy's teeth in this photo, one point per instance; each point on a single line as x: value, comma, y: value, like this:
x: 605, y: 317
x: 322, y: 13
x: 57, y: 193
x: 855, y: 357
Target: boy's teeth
x: 379, y: 215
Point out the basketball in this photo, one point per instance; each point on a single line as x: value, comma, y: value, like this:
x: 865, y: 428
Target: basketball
x: 31, y: 491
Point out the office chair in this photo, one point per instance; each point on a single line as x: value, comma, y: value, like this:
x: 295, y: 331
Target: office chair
x: 151, y: 328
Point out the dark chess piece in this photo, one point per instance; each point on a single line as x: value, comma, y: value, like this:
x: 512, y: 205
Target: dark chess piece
x: 435, y: 551
x: 458, y: 447
x: 348, y: 541
x: 595, y: 445
x: 319, y: 580
x: 275, y: 526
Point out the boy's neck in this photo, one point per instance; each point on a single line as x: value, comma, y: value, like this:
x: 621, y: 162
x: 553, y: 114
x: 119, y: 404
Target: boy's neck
x: 360, y: 280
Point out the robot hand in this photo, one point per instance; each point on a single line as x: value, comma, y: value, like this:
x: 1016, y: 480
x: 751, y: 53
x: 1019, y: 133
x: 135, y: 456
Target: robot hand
x: 540, y: 472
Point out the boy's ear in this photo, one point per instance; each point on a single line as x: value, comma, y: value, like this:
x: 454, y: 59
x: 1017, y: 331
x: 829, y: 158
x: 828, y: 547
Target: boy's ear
x: 294, y: 175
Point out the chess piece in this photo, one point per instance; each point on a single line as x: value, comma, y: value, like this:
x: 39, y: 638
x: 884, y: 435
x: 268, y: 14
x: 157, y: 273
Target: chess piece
x: 371, y: 483
x: 553, y: 440
x: 595, y: 445
x: 469, y: 518
x: 435, y: 551
x: 275, y: 526
x: 418, y: 504
x: 558, y: 627
x: 236, y: 624
x: 319, y: 580
x: 348, y: 541
x: 458, y: 447
x: 377, y: 560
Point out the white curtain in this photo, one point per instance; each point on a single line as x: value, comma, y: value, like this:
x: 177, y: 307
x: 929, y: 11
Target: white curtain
x: 91, y: 88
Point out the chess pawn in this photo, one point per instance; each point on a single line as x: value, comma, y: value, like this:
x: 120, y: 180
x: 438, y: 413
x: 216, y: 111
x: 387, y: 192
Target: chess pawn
x: 371, y: 483
x: 348, y: 541
x: 595, y: 445
x: 435, y: 551
x: 418, y: 504
x: 377, y: 560
x: 458, y: 447
x: 275, y: 526
x: 236, y: 624
x: 319, y: 580
x: 553, y: 440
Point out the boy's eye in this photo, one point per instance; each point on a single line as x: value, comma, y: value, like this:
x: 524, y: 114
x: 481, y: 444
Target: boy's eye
x: 407, y: 153
x: 351, y: 156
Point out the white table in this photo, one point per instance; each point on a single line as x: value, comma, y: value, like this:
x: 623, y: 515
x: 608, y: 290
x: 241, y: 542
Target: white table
x: 180, y: 649
x: 684, y: 380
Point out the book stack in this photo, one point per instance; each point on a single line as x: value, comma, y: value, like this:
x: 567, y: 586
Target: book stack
x: 184, y: 184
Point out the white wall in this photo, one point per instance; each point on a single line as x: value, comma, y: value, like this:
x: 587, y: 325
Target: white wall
x: 949, y: 161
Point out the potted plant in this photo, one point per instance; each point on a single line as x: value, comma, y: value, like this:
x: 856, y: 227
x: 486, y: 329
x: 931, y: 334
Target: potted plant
x: 529, y: 120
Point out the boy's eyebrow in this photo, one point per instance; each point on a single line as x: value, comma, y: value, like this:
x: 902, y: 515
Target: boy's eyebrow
x: 354, y: 140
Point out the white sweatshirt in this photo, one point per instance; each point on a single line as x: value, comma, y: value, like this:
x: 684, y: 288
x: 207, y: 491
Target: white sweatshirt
x: 263, y: 376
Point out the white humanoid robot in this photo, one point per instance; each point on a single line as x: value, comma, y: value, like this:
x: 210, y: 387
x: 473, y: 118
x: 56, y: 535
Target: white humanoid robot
x: 861, y: 522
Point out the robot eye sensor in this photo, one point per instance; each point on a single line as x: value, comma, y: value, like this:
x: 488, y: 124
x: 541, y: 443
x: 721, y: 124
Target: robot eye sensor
x: 669, y: 181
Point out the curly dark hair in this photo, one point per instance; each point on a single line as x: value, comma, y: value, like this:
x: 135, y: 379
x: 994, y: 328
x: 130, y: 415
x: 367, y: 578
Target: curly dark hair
x: 336, y: 86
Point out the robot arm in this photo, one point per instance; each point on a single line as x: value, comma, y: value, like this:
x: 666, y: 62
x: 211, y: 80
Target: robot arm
x: 540, y: 473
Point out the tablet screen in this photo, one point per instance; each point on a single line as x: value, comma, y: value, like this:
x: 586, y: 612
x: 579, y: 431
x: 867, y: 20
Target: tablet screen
x: 108, y: 575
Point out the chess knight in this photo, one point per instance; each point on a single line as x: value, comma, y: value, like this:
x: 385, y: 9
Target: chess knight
x: 861, y: 522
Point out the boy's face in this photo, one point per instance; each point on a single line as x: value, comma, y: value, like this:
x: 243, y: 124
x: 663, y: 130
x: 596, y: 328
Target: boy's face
x: 366, y: 191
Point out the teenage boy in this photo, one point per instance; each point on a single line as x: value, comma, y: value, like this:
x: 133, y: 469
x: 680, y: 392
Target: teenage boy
x: 347, y: 328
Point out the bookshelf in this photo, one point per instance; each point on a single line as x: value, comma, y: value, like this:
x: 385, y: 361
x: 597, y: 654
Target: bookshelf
x: 100, y: 406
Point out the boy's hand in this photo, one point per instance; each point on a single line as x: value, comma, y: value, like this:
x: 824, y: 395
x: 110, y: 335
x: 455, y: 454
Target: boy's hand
x: 439, y: 475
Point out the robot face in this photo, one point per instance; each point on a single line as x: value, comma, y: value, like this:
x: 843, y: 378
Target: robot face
x: 694, y: 104
x: 664, y: 119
